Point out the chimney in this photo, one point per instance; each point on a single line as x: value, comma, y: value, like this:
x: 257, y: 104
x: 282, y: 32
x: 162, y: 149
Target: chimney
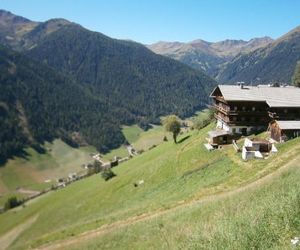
x: 241, y: 84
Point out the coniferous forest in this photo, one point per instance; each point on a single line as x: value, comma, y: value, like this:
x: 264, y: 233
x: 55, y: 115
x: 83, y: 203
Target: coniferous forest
x: 65, y: 80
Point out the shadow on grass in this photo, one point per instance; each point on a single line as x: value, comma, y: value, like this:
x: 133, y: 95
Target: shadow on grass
x: 183, y: 139
x: 21, y: 153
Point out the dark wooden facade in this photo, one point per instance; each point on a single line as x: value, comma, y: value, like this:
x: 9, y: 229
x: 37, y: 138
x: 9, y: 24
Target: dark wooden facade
x: 285, y: 113
x: 241, y: 113
x: 244, y: 110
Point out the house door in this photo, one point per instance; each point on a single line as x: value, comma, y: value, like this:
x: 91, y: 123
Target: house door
x: 244, y: 131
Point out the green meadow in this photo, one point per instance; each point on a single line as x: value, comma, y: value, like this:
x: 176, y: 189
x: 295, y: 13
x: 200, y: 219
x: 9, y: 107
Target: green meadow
x: 38, y: 171
x: 176, y: 178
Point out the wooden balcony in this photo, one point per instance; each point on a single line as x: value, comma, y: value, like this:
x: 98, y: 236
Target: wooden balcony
x: 228, y: 111
x: 230, y: 122
x: 222, y: 109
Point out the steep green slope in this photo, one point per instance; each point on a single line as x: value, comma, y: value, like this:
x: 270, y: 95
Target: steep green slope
x: 38, y: 104
x: 175, y: 176
x: 274, y: 63
x: 264, y: 217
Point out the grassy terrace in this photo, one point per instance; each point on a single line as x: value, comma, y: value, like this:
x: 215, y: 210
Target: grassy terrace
x: 173, y: 175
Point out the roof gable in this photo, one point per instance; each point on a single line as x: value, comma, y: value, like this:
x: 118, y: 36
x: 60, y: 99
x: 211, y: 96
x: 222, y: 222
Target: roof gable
x: 288, y: 96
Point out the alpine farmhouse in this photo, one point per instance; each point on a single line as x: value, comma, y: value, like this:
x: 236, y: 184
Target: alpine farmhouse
x: 243, y: 110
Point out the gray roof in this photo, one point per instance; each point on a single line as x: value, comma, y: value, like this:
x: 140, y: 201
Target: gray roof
x: 288, y: 96
x: 217, y: 132
x: 289, y: 125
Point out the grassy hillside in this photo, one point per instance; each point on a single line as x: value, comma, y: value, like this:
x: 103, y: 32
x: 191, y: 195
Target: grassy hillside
x: 174, y: 177
x: 265, y: 217
x: 139, y: 139
x: 143, y: 140
x: 30, y: 173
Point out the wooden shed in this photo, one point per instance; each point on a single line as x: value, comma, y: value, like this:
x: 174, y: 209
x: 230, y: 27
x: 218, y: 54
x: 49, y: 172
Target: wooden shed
x: 282, y: 131
x: 219, y: 137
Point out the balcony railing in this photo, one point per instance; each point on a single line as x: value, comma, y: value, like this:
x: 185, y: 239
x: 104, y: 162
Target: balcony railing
x: 228, y: 111
x: 239, y: 122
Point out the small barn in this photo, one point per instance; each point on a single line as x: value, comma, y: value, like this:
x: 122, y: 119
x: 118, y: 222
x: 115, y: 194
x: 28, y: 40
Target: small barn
x: 282, y: 131
x: 220, y: 137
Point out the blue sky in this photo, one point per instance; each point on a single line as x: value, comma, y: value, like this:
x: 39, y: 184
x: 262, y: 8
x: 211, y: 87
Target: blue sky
x: 169, y: 20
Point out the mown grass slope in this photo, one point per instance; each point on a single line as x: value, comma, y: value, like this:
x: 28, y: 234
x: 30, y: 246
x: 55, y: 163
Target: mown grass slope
x: 266, y: 217
x: 32, y: 171
x: 140, y: 139
x: 173, y: 175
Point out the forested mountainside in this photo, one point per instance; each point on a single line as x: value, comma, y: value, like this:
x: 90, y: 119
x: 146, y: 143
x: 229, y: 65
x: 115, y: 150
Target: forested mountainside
x: 207, y: 56
x: 124, y: 74
x: 38, y: 104
x: 105, y: 83
x: 274, y: 63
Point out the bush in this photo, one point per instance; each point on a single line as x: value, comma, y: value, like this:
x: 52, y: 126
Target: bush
x: 153, y: 146
x: 11, y: 203
x: 108, y: 174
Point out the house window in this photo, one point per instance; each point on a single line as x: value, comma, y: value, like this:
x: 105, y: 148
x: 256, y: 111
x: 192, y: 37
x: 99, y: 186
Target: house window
x: 233, y: 130
x: 235, y: 108
x: 244, y: 108
x: 285, y: 110
x: 243, y: 118
x: 234, y: 118
x: 253, y: 108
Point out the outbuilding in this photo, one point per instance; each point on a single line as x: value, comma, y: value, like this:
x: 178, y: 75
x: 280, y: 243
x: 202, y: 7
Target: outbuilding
x: 219, y: 137
x: 282, y: 131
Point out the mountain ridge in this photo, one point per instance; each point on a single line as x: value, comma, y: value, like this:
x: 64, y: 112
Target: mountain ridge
x: 125, y: 80
x: 274, y: 62
x: 207, y: 56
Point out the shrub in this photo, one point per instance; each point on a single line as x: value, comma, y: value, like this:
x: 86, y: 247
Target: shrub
x: 11, y: 203
x: 107, y: 174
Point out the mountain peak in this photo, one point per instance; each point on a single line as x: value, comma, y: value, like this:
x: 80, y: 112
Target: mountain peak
x: 7, y: 16
x: 60, y: 21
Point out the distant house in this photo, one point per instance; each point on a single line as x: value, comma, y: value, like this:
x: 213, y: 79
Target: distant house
x: 284, y: 130
x: 245, y: 109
